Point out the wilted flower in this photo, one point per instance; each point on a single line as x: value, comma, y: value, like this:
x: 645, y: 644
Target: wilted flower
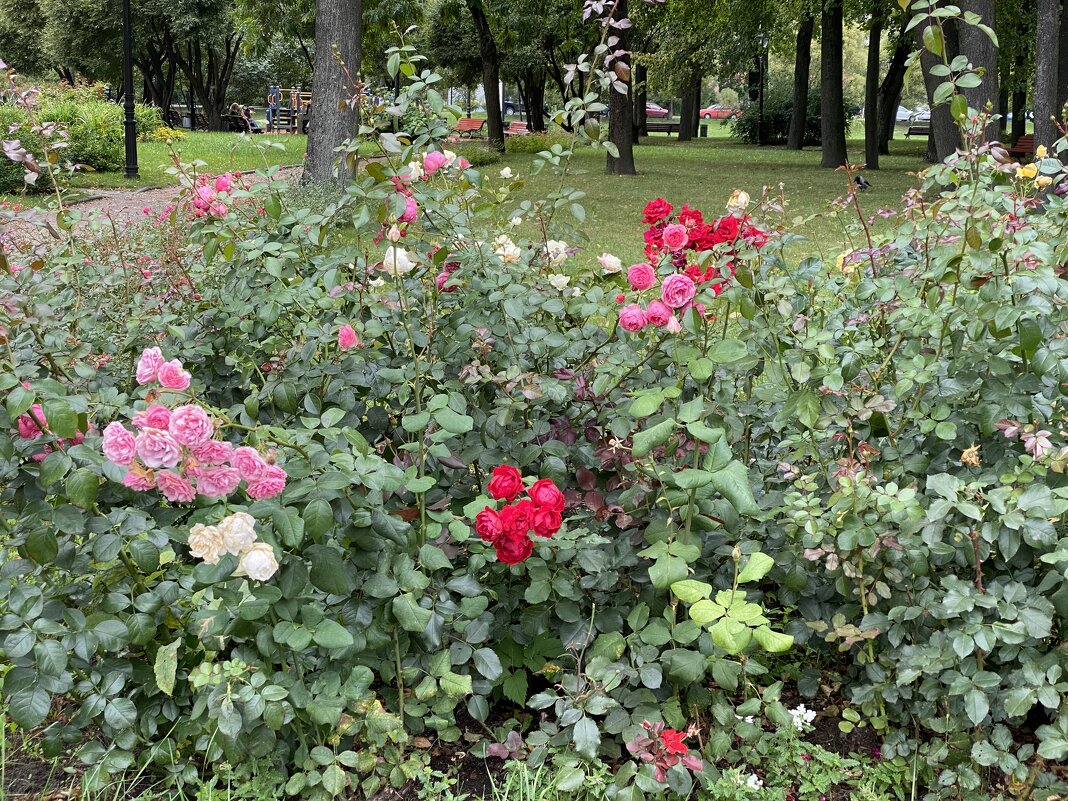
x: 556, y: 252
x: 738, y: 202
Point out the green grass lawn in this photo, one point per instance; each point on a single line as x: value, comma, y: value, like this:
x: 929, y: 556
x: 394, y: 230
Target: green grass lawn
x: 703, y: 173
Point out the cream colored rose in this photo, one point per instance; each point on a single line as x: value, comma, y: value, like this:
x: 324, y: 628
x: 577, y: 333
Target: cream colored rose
x: 238, y: 532
x: 556, y: 252
x: 559, y: 281
x: 415, y: 170
x: 396, y: 262
x: 258, y: 562
x: 506, y: 172
x: 507, y: 249
x: 206, y: 542
x: 739, y: 202
x: 609, y: 263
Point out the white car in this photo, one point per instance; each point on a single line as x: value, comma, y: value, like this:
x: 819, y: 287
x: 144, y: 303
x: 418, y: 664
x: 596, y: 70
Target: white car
x: 903, y: 114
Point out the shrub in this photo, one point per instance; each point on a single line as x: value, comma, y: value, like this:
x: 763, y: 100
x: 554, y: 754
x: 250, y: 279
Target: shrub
x: 778, y: 109
x: 95, y: 131
x: 477, y: 155
x: 149, y: 121
x: 534, y: 142
x: 12, y: 174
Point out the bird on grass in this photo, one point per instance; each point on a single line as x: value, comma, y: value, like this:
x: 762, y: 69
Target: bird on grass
x: 861, y: 182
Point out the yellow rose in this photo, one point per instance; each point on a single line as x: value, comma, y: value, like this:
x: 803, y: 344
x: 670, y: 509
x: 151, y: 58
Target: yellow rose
x: 1027, y: 171
x: 1040, y: 152
x: 1042, y: 181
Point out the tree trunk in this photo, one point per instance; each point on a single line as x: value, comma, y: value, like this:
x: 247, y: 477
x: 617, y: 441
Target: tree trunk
x: 338, y: 24
x: 208, y: 70
x: 621, y: 112
x: 1046, y: 60
x: 536, y: 102
x: 1019, y: 119
x: 890, y: 94
x: 871, y: 89
x: 641, y: 76
x: 491, y: 73
x: 832, y: 102
x: 691, y: 101
x: 981, y: 52
x: 795, y: 140
x: 1062, y: 62
x: 1003, y: 106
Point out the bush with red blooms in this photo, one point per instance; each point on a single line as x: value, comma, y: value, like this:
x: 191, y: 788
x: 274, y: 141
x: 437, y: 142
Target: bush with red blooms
x: 664, y: 748
x: 700, y: 256
x: 508, y: 529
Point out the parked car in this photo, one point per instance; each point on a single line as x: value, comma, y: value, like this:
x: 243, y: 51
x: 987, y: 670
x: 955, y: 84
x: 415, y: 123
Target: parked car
x: 656, y: 111
x: 717, y: 111
x: 921, y: 114
x: 903, y: 114
x: 510, y: 107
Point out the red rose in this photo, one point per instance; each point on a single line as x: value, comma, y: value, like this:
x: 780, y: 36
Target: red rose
x: 546, y: 494
x: 690, y: 217
x: 654, y: 236
x: 513, y: 549
x: 673, y: 741
x: 702, y: 237
x: 488, y: 525
x: 657, y: 210
x: 727, y: 228
x: 507, y: 482
x: 547, y: 522
x: 518, y: 518
x: 754, y: 236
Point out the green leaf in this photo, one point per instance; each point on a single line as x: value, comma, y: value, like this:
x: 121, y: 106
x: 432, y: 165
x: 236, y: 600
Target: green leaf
x: 958, y: 106
x: 728, y: 350
x: 690, y: 479
x: 772, y: 641
x: 318, y: 518
x: 976, y: 705
x: 453, y: 422
x: 28, y: 707
x: 331, y: 634
x: 647, y: 404
x: 81, y: 488
x: 415, y: 422
x: 19, y: 399
x: 732, y: 482
x: 667, y: 570
x: 328, y: 570
x: 166, y: 666
x: 54, y: 467
x: 645, y: 441
x: 515, y: 687
x: 455, y: 685
x: 932, y: 39
x: 586, y: 737
x: 42, y: 546
x: 62, y: 419
x: 686, y: 667
x: 488, y: 663
x: 433, y: 558
x: 756, y: 567
x: 731, y: 635
x: 705, y: 611
x: 691, y: 591
x: 334, y: 779
x: 410, y: 614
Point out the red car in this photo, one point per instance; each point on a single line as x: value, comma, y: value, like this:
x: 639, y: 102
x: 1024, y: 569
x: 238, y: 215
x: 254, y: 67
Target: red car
x: 717, y: 112
x: 655, y: 111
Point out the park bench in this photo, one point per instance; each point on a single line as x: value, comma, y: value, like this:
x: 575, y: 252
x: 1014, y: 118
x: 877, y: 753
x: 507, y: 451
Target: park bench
x: 517, y: 128
x: 672, y: 127
x: 1025, y: 146
x: 918, y: 130
x: 470, y: 126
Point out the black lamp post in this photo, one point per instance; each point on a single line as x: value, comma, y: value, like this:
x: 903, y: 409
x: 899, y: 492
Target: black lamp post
x: 130, y: 126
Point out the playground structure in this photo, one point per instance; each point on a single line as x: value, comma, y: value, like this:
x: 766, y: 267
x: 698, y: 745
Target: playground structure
x: 288, y: 110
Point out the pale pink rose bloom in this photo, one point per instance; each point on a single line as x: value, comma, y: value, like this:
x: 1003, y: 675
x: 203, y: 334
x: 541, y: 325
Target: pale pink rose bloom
x: 217, y: 482
x: 155, y: 416
x: 157, y: 448
x: 217, y: 209
x: 411, y: 210
x: 641, y: 276
x: 214, y: 452
x: 172, y: 376
x: 249, y: 463
x: 632, y: 318
x: 272, y: 483
x: 136, y: 481
x: 174, y: 488
x: 434, y: 161
x: 675, y: 236
x: 464, y: 163
x: 677, y: 290
x: 346, y: 337
x: 40, y: 457
x: 28, y: 428
x: 148, y: 365
x: 658, y: 314
x: 119, y: 444
x: 393, y: 234
x: 190, y: 426
x: 222, y: 183
x: 205, y: 195
x: 673, y: 326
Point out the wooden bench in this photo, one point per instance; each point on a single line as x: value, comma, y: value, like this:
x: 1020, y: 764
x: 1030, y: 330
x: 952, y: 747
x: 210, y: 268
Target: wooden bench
x: 517, y: 128
x: 918, y: 130
x: 672, y: 127
x: 1025, y: 146
x: 470, y: 126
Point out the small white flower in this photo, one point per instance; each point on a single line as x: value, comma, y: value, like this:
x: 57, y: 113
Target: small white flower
x: 746, y: 719
x: 507, y: 249
x: 414, y: 170
x: 238, y: 532
x: 395, y: 261
x: 609, y: 263
x: 206, y: 542
x: 376, y: 282
x: 753, y: 782
x: 802, y: 716
x: 556, y: 252
x: 450, y: 157
x: 516, y: 221
x: 559, y: 281
x: 506, y: 172
x: 258, y: 562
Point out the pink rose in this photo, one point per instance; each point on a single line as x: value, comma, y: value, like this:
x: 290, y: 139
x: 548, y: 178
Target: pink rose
x: 272, y: 483
x: 217, y: 482
x: 675, y: 236
x: 136, y: 480
x: 441, y: 279
x: 641, y: 276
x: 673, y: 326
x: 632, y: 318
x: 119, y: 444
x: 433, y: 161
x: 40, y: 457
x: 346, y: 337
x: 464, y: 163
x: 677, y: 290
x: 222, y: 183
x: 190, y: 426
x: 157, y: 448
x: 174, y: 488
x: 657, y: 314
x: 148, y: 365
x: 28, y: 428
x: 172, y: 376
x: 217, y: 209
x: 249, y: 463
x: 155, y: 416
x: 411, y: 211
x: 214, y: 452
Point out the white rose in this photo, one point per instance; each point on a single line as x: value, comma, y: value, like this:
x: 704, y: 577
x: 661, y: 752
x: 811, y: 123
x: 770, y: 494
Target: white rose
x: 754, y: 782
x: 556, y: 252
x: 395, y: 261
x: 450, y: 157
x: 258, y: 562
x: 507, y: 249
x: 506, y: 172
x: 559, y: 281
x: 376, y: 283
x: 206, y: 542
x: 238, y: 532
x: 516, y: 221
x: 415, y: 170
x: 739, y: 202
x: 609, y: 263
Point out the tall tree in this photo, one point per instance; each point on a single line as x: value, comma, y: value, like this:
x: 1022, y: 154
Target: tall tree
x: 689, y: 114
x: 802, y: 75
x: 1046, y: 59
x: 338, y: 29
x: 620, y: 111
x: 983, y: 54
x: 832, y: 100
x: 491, y: 73
x: 208, y: 64
x: 1062, y: 60
x: 890, y: 92
x: 871, y: 86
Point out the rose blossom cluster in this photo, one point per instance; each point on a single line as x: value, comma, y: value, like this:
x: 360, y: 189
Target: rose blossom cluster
x: 211, y: 195
x: 664, y: 748
x: 29, y: 425
x: 234, y: 534
x: 508, y: 529
x: 670, y: 239
x: 176, y: 450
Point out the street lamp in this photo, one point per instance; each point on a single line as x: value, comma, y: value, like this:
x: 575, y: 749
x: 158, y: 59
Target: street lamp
x: 130, y: 124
